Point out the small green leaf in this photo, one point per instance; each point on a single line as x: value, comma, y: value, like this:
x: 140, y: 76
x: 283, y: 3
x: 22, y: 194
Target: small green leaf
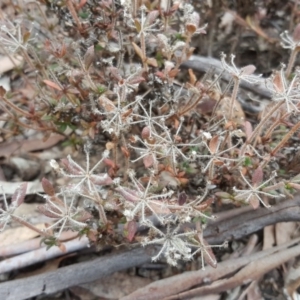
x: 84, y: 15
x: 179, y: 37
x: 49, y: 242
x: 62, y: 127
x: 247, y: 161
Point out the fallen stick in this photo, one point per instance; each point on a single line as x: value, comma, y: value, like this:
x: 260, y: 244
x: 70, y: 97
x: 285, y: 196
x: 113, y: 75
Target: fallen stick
x: 205, y: 64
x: 31, y: 245
x: 248, y: 222
x: 174, y: 285
x: 252, y: 271
x: 40, y: 255
x: 73, y: 275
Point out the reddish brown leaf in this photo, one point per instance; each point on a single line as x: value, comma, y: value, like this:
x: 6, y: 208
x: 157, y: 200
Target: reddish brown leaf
x: 182, y: 198
x: 128, y: 194
x: 148, y: 161
x: 52, y: 84
x: 190, y: 28
x: 83, y: 216
x: 70, y: 167
x: 107, y: 105
x: 152, y: 16
x: 109, y: 163
x: 146, y: 132
x: 278, y: 84
x: 254, y: 201
x: 136, y: 79
x: 213, y: 144
x: 19, y: 195
x: 115, y: 72
x: 101, y: 179
x: 2, y: 91
x: 48, y: 187
x: 173, y: 73
x: 125, y: 151
x: 257, y: 176
x: 131, y: 230
x: 45, y: 211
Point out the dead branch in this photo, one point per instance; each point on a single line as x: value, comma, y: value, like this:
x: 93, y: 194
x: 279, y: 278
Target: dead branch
x: 248, y: 222
x: 73, y: 275
x: 252, y: 271
x: 206, y: 64
x: 176, y: 284
x: 42, y: 254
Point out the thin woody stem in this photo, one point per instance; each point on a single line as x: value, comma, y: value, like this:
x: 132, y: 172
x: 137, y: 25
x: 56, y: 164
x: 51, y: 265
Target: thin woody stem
x: 286, y: 138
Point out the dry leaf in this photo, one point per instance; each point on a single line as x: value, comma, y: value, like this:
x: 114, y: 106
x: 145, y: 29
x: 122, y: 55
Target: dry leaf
x: 52, y: 84
x: 8, y: 63
x: 292, y: 281
x: 34, y: 144
x: 159, y: 207
x: 269, y: 237
x: 107, y: 104
x: 138, y: 51
x: 213, y: 144
x: 193, y: 77
x: 257, y: 176
x: 148, y: 161
x: 284, y: 232
x: 152, y: 62
x: 106, y: 287
x: 16, y: 235
x: 277, y: 82
x: 33, y: 187
x: 254, y: 201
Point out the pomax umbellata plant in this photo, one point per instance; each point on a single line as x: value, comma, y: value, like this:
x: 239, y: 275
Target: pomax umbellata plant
x: 109, y: 78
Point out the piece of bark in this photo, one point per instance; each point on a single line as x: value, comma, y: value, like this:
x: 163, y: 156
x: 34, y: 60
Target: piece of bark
x: 73, y: 275
x: 252, y: 221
